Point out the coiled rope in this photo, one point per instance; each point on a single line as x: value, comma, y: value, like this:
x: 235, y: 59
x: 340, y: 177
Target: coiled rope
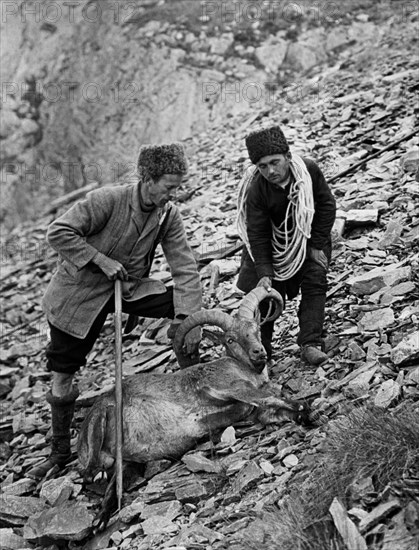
x: 289, y: 240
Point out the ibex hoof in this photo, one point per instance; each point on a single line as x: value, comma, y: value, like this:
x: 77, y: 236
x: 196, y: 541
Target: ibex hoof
x: 101, y: 521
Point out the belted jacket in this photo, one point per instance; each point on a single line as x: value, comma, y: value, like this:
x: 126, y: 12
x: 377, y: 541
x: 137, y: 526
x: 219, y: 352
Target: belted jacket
x: 110, y: 220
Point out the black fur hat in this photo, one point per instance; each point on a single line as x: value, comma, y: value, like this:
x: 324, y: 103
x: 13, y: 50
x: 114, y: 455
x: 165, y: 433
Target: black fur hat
x: 267, y: 141
x: 156, y: 160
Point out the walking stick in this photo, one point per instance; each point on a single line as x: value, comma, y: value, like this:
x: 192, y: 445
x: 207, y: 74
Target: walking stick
x: 118, y: 389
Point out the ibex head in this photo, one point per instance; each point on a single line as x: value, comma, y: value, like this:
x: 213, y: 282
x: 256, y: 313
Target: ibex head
x: 241, y: 333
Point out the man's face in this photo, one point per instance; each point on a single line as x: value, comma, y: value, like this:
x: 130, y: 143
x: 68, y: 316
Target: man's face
x: 275, y: 168
x: 164, y: 189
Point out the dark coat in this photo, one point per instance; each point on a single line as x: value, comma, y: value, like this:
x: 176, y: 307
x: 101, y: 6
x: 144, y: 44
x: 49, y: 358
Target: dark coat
x: 267, y: 203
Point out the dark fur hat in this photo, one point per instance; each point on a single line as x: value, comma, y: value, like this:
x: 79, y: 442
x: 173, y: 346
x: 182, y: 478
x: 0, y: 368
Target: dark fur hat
x: 267, y: 141
x: 156, y: 160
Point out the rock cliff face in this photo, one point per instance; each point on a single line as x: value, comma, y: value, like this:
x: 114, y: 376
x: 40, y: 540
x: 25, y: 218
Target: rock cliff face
x: 84, y: 83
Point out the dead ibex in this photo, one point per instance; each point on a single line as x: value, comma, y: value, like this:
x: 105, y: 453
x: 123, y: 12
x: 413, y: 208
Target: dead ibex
x: 164, y: 415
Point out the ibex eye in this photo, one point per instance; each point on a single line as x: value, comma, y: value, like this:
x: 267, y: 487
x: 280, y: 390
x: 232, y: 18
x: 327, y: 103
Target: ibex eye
x: 230, y: 340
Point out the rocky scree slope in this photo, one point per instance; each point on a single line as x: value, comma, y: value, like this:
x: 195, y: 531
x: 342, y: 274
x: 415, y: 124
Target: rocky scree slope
x: 83, y: 87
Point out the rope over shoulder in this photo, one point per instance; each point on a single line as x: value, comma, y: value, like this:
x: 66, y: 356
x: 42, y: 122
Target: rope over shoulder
x: 289, y: 240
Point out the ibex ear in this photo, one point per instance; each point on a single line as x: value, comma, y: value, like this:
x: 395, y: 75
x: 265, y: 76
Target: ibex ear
x: 215, y: 336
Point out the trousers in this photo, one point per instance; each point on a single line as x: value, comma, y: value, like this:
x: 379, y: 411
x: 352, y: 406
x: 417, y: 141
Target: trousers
x: 67, y: 354
x: 311, y: 280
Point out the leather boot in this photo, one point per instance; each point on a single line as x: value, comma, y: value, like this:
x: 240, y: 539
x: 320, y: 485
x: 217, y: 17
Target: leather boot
x: 313, y: 354
x: 62, y: 411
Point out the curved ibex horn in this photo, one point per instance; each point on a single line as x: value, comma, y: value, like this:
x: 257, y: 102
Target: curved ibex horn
x: 203, y: 317
x: 251, y: 301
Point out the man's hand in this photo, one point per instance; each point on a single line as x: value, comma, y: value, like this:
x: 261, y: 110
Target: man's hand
x: 266, y: 282
x: 111, y: 268
x: 192, y: 339
x: 318, y: 256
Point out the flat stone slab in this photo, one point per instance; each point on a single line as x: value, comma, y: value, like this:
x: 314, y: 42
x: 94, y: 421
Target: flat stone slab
x: 379, y: 277
x: 361, y: 217
x: 197, y: 462
x: 191, y: 491
x: 169, y: 509
x: 70, y: 521
x: 20, y: 487
x: 15, y: 510
x: 378, y: 514
x: 131, y: 511
x: 375, y: 320
x: 157, y: 525
x: 392, y: 235
x: 346, y: 527
x: 248, y: 477
x: 10, y: 541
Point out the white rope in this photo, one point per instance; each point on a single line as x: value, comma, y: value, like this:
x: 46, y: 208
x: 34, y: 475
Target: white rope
x: 289, y: 240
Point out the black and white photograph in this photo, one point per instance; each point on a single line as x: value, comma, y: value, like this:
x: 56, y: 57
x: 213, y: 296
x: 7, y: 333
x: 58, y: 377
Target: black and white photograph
x: 209, y: 231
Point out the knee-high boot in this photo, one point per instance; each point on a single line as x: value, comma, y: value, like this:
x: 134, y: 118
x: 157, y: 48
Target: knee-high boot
x: 62, y: 412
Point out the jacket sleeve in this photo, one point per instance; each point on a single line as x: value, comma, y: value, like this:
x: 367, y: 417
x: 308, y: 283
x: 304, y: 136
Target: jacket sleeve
x: 259, y: 231
x: 324, y: 208
x: 67, y: 234
x: 187, y: 294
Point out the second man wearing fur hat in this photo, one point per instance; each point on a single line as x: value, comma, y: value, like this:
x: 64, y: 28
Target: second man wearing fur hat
x: 112, y: 234
x: 286, y: 214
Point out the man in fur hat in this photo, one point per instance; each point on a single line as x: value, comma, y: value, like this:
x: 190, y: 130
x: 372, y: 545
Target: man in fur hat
x: 112, y: 234
x: 286, y: 214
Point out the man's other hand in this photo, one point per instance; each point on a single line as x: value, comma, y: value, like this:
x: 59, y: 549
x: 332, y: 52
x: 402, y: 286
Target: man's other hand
x: 192, y: 339
x: 319, y: 257
x: 265, y: 282
x: 111, y: 268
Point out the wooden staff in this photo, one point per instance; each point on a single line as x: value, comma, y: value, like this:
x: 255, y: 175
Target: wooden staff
x: 118, y: 390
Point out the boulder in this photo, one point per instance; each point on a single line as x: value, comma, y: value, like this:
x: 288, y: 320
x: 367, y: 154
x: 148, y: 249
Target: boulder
x: 301, y: 56
x: 336, y: 38
x: 271, y: 54
x: 9, y: 122
x: 29, y: 127
x: 220, y: 44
